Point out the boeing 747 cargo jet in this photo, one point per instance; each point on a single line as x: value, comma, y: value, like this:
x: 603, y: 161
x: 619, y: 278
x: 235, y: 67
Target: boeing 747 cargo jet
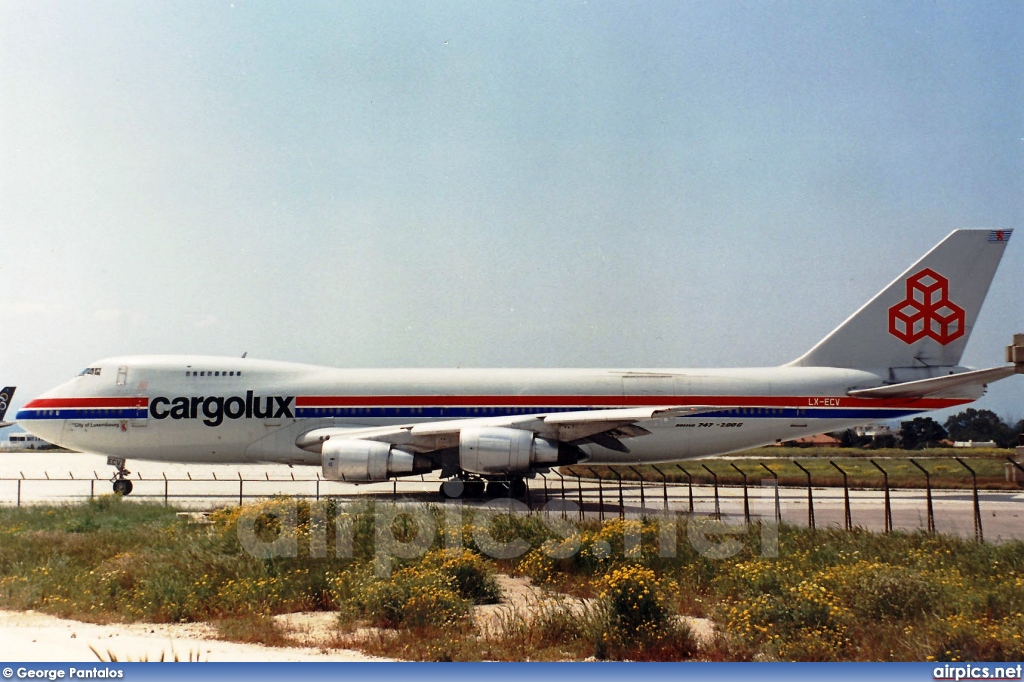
x: 896, y: 356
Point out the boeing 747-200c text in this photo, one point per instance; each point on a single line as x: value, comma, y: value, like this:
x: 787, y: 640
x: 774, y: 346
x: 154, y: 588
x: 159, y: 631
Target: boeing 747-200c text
x: 896, y: 356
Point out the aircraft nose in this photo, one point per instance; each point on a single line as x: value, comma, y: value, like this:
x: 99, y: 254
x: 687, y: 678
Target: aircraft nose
x: 40, y: 416
x: 38, y: 425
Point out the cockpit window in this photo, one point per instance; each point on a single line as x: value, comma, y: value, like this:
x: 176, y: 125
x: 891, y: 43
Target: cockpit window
x: 91, y: 371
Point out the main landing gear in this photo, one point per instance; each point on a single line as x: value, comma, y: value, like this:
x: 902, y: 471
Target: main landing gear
x: 122, y: 484
x: 458, y: 488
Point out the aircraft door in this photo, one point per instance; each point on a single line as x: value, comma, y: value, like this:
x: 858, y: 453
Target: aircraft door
x: 647, y: 389
x: 141, y: 417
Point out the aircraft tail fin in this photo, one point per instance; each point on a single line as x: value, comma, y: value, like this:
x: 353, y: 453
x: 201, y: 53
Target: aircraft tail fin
x: 5, y: 399
x: 924, y: 317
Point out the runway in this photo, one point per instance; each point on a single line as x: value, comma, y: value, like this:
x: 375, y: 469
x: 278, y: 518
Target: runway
x: 48, y: 477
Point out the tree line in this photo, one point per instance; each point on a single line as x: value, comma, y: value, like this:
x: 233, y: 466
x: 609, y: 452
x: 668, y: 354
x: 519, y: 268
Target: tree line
x: 925, y: 432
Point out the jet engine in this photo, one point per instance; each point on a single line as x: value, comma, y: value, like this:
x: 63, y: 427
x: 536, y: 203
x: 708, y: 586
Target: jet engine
x: 365, y: 461
x: 495, y: 450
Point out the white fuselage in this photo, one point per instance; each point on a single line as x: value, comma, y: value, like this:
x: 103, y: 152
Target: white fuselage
x: 233, y: 410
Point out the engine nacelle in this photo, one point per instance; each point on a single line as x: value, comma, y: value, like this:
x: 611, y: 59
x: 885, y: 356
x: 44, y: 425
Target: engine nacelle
x: 364, y: 461
x: 495, y: 451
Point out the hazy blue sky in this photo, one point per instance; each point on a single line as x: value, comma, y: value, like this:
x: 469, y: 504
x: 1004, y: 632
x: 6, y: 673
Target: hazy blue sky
x: 493, y: 184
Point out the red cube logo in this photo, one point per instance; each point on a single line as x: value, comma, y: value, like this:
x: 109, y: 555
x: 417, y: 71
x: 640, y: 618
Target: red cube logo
x: 927, y: 311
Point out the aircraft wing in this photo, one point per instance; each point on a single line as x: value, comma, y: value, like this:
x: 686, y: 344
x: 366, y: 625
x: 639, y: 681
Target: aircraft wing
x: 936, y: 385
x: 604, y: 427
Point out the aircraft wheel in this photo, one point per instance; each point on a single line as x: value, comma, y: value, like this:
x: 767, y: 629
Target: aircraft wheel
x: 122, y: 487
x: 474, y: 489
x: 453, y: 489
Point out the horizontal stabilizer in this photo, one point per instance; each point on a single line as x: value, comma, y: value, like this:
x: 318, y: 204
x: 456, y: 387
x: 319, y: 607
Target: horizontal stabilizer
x: 936, y: 385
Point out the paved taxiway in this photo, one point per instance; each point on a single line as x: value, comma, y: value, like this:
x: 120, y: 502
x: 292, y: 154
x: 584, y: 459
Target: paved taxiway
x: 65, y: 477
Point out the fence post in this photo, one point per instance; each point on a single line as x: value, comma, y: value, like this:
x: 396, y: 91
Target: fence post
x: 579, y: 490
x: 664, y: 485
x: 318, y: 486
x: 778, y: 505
x: 888, y: 505
x: 978, y: 533
x: 689, y: 485
x: 166, y: 489
x: 622, y: 506
x: 92, y: 488
x: 643, y: 502
x: 600, y: 495
x: 928, y: 495
x: 239, y: 488
x: 561, y: 480
x: 19, y: 491
x: 718, y: 509
x: 847, y: 520
x: 810, y: 496
x: 746, y: 501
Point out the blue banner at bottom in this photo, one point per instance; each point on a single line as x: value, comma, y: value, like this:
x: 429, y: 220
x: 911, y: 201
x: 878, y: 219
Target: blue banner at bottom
x: 498, y: 672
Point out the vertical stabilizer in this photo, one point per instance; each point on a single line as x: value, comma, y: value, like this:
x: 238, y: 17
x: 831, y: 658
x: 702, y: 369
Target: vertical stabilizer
x: 925, y: 316
x: 5, y: 399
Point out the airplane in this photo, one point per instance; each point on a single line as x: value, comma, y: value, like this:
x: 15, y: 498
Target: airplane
x: 485, y: 430
x: 5, y: 399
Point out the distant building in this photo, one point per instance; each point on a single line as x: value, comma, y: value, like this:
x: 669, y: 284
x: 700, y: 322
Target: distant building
x: 874, y: 430
x: 25, y: 441
x: 974, y: 444
x: 819, y: 440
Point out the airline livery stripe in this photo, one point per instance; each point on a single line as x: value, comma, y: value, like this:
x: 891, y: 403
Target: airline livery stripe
x: 90, y: 403
x: 542, y: 403
x: 417, y: 413
x: 584, y: 402
x: 90, y: 414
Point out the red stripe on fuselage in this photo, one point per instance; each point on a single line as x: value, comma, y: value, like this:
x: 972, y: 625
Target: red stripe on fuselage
x: 622, y: 401
x: 582, y: 401
x: 95, y: 403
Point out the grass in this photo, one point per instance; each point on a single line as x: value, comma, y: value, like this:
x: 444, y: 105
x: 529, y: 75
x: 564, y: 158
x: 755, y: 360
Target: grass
x: 828, y: 595
x: 944, y: 470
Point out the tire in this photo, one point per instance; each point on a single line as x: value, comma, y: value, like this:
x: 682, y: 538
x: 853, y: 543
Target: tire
x: 123, y: 487
x: 453, y: 489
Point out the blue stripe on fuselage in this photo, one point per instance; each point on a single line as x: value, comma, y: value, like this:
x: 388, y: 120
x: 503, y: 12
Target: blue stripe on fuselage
x: 84, y: 413
x: 869, y: 414
x: 791, y: 413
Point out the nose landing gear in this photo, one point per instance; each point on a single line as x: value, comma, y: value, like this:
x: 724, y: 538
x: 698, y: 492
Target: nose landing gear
x: 122, y: 484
